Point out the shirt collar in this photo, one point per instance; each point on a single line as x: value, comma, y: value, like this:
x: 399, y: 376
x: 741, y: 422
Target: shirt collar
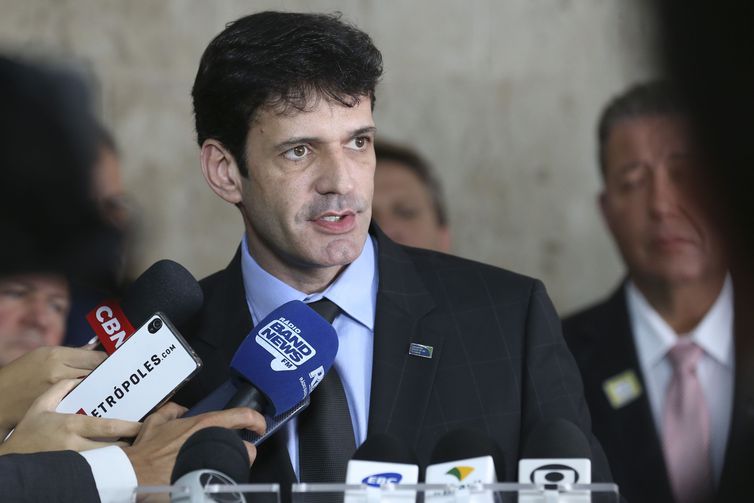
x: 654, y: 337
x: 265, y: 292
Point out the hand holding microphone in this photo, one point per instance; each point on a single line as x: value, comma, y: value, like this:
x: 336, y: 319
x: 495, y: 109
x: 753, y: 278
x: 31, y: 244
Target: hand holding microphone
x: 28, y: 377
x: 154, y: 451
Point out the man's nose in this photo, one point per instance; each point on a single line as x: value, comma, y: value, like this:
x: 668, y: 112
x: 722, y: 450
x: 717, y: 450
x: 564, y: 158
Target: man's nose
x: 335, y: 174
x: 37, y: 312
x: 663, y: 197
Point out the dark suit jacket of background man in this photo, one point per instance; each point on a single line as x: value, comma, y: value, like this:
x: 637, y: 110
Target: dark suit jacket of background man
x: 499, y: 361
x: 62, y: 476
x: 601, y: 341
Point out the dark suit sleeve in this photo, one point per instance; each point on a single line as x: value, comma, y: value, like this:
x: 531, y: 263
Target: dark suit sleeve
x: 552, y: 383
x: 62, y: 476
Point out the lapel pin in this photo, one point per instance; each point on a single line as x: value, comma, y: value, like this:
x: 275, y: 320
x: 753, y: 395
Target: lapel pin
x: 622, y: 389
x: 420, y: 350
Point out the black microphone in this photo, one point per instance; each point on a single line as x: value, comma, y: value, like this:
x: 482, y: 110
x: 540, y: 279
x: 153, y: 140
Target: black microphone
x: 556, y: 452
x: 212, y: 455
x: 166, y: 286
x: 464, y: 458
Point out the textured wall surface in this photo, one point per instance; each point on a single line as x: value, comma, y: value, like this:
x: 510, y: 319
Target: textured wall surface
x: 501, y: 95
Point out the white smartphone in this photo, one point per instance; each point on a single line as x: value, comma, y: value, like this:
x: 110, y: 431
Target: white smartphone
x: 141, y: 375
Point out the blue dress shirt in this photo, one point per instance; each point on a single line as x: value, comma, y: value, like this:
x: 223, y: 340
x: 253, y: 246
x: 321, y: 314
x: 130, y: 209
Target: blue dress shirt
x: 355, y: 293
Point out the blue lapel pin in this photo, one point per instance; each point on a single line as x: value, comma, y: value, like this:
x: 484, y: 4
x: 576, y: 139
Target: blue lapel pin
x: 420, y: 350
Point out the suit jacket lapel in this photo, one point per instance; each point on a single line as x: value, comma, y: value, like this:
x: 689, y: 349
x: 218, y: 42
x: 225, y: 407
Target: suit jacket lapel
x: 400, y: 383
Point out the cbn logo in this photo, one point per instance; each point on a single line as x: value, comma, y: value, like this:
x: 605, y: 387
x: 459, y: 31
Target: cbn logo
x: 460, y: 472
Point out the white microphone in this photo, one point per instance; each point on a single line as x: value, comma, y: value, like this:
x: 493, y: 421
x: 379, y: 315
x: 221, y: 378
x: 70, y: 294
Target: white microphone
x: 382, y: 459
x: 463, y: 460
x: 211, y: 456
x: 556, y: 455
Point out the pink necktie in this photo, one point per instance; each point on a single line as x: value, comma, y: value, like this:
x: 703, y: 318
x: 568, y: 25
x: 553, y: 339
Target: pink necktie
x: 686, y: 427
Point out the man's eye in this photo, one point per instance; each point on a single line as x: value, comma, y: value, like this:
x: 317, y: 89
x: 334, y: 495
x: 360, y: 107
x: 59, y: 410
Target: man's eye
x: 296, y: 153
x: 13, y: 292
x: 359, y: 143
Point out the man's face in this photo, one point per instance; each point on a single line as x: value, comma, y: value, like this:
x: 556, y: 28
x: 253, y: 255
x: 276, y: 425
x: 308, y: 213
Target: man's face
x: 651, y: 203
x: 403, y: 208
x: 33, y: 311
x: 307, y: 199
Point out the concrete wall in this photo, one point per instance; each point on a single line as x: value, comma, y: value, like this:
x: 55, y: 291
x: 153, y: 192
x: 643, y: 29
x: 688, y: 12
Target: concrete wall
x: 501, y: 95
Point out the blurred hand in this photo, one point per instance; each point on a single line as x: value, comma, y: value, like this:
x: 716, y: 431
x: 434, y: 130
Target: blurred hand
x: 26, y: 378
x: 154, y: 451
x: 43, y: 429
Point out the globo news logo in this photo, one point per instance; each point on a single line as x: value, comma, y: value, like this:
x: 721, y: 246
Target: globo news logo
x: 380, y: 479
x: 283, y: 340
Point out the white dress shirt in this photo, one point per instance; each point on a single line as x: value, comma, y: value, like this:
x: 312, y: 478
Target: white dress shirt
x: 653, y: 338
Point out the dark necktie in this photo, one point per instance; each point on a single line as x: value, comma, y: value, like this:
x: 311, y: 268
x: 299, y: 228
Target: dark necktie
x: 325, y: 433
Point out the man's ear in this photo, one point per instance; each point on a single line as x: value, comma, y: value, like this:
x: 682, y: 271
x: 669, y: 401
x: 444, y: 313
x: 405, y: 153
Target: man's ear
x: 221, y: 171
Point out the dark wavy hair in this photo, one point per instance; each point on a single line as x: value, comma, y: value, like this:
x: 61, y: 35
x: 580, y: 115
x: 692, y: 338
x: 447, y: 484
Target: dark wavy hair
x: 654, y: 98
x: 280, y: 60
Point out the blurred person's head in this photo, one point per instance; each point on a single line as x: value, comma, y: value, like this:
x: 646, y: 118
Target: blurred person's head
x: 283, y: 108
x: 408, y: 203
x: 651, y: 200
x: 48, y: 218
x: 33, y: 311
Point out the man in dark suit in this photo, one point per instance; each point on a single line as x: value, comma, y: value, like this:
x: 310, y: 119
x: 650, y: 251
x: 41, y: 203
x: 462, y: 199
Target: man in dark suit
x: 427, y: 342
x: 660, y: 364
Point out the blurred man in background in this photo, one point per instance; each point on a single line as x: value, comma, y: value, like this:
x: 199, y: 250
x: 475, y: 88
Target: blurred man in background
x: 657, y: 357
x: 33, y: 310
x: 408, y: 202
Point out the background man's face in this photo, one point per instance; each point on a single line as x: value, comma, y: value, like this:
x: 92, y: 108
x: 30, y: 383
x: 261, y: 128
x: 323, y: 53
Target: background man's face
x: 33, y: 310
x: 403, y: 208
x: 651, y: 205
x: 307, y: 199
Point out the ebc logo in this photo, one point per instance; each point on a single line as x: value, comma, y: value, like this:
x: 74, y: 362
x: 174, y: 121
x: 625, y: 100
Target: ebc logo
x: 282, y: 339
x: 380, y: 479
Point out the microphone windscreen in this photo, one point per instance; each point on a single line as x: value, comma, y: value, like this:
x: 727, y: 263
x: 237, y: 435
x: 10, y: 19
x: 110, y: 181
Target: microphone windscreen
x: 167, y: 287
x: 213, y: 448
x: 385, y: 448
x: 467, y: 443
x: 556, y: 438
x: 287, y: 354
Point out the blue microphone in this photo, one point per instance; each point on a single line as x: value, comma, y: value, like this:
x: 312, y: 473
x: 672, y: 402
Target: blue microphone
x: 278, y: 364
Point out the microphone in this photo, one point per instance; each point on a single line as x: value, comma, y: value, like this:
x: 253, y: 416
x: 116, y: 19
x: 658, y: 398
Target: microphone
x: 464, y: 458
x: 556, y: 453
x: 280, y: 362
x: 166, y: 286
x: 212, y: 455
x: 382, y: 459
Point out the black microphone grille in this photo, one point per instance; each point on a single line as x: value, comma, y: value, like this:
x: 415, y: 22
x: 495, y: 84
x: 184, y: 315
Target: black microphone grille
x: 385, y: 448
x: 213, y: 448
x: 166, y: 286
x: 466, y: 443
x: 556, y: 438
